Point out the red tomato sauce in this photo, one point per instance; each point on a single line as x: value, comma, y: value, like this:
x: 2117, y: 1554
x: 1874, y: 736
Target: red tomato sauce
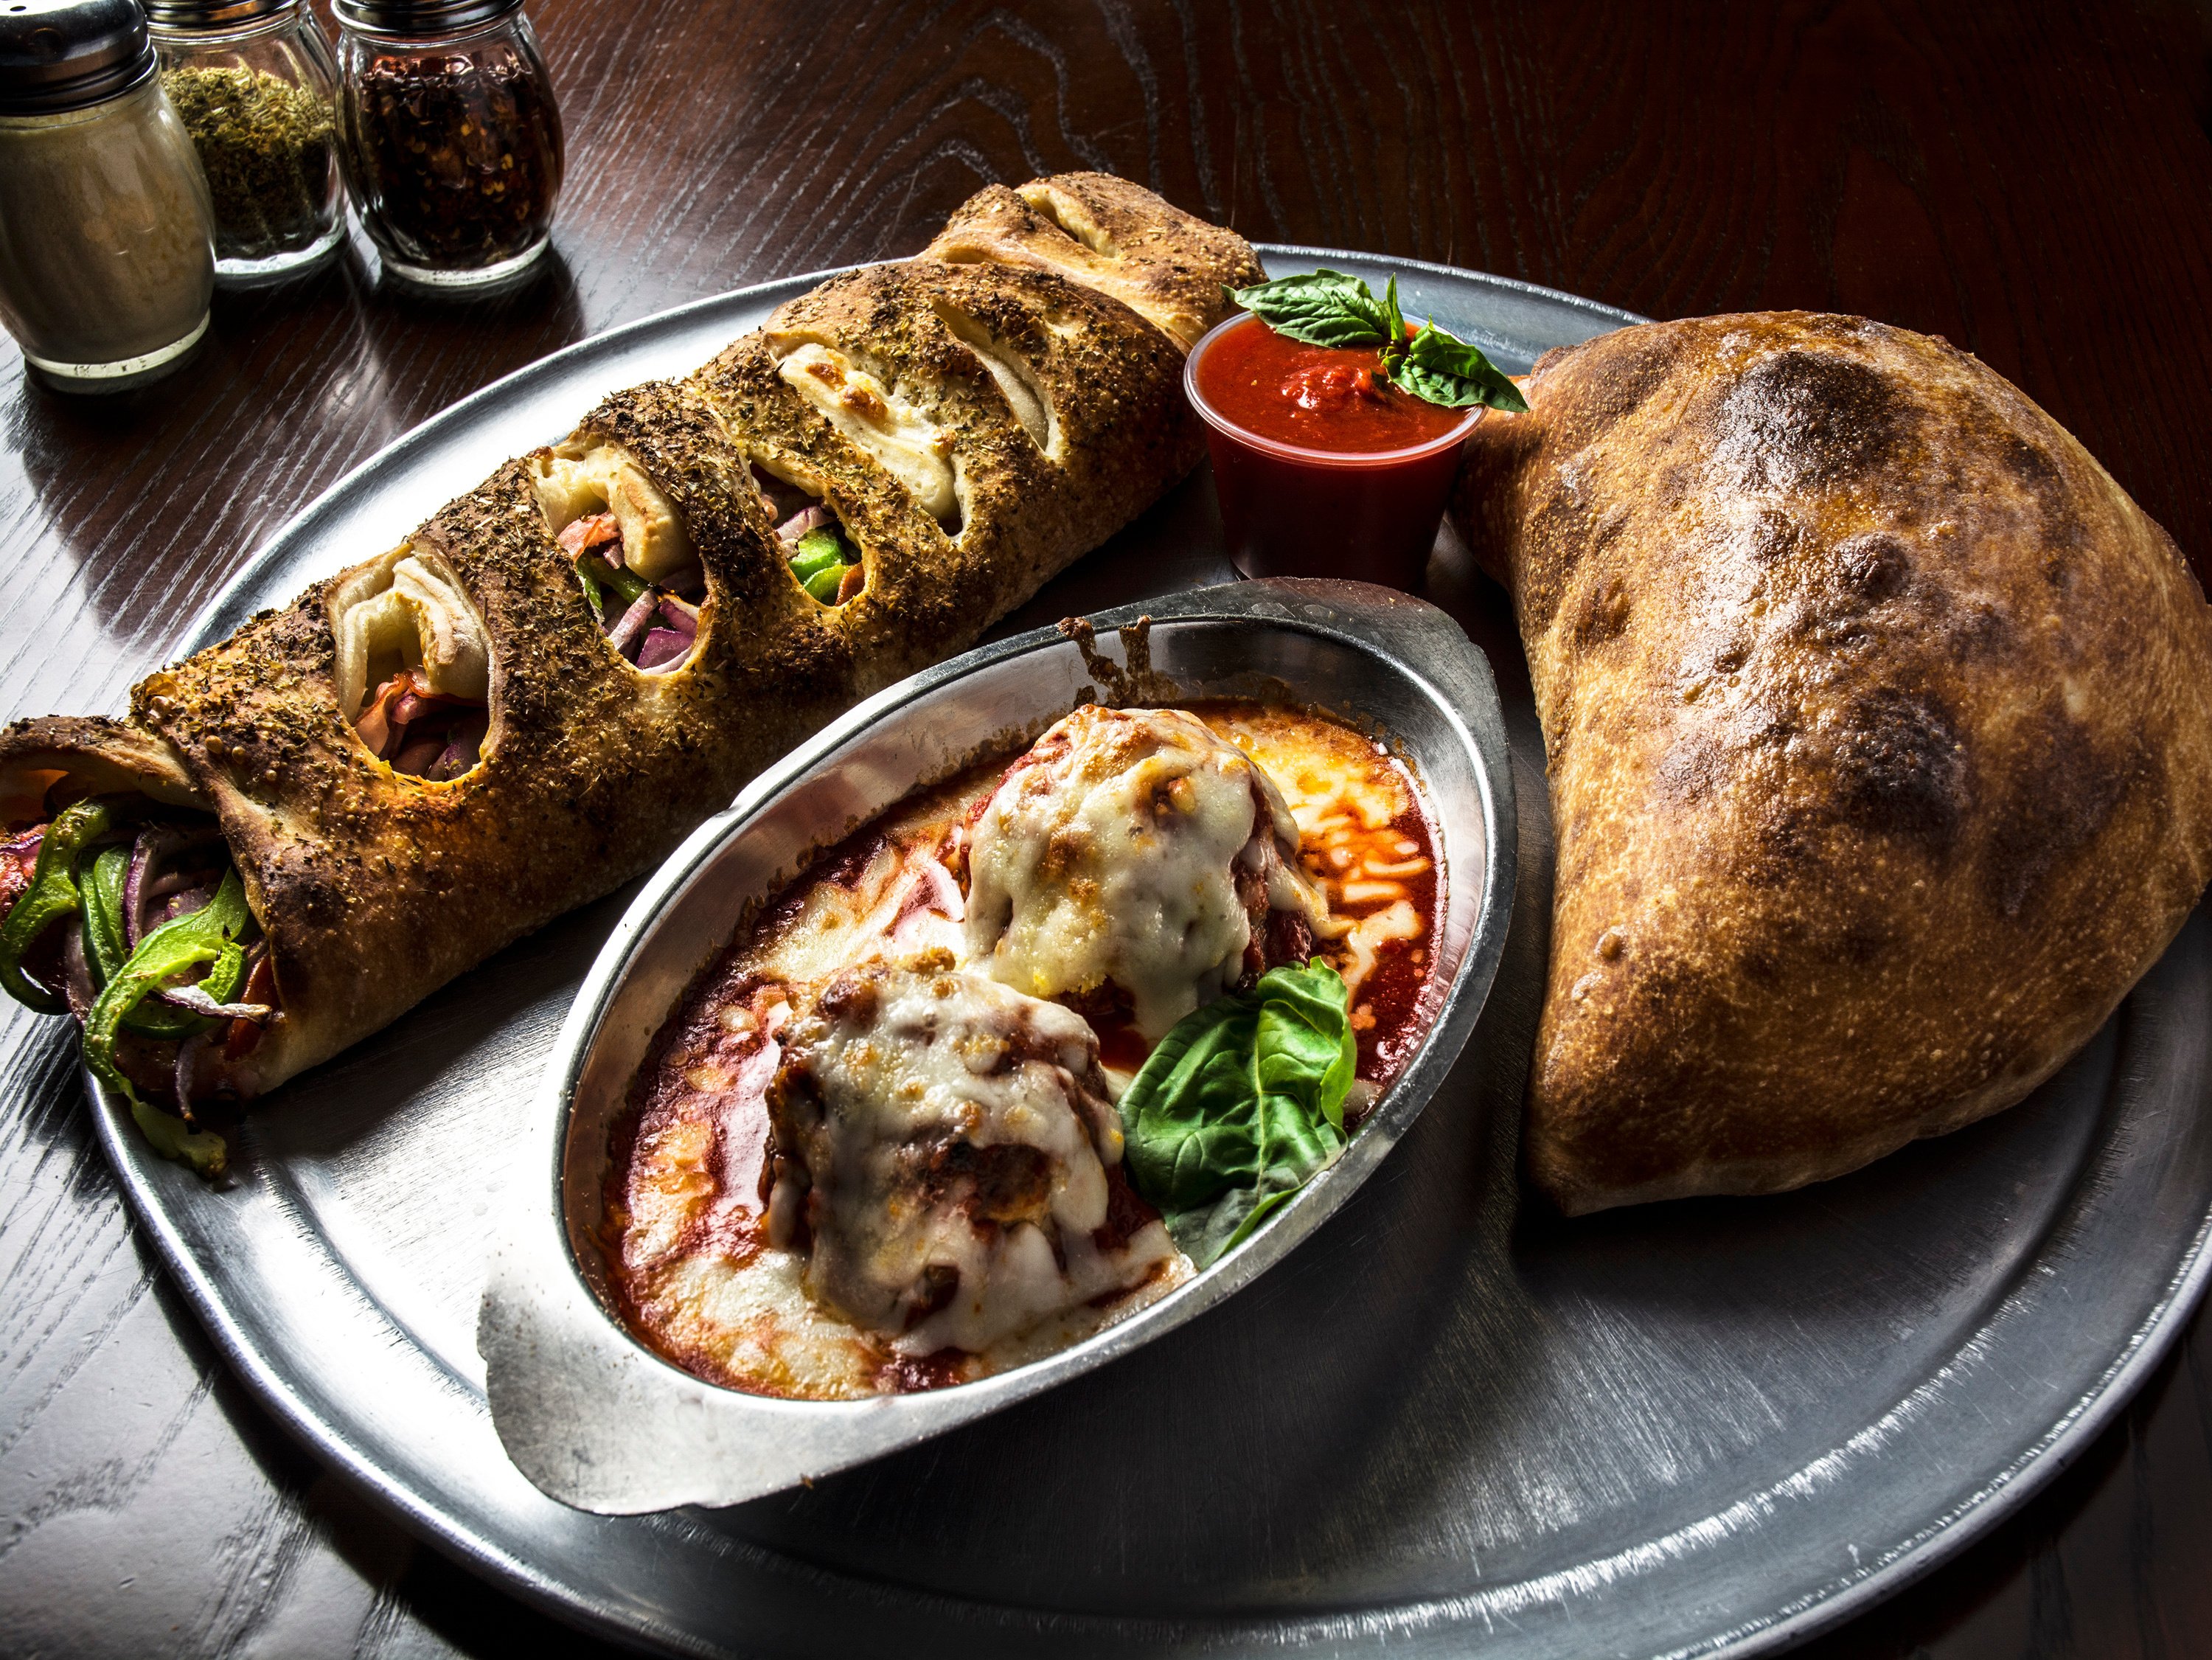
x: 1318, y: 398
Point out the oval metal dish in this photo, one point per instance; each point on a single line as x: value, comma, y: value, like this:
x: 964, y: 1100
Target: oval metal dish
x: 597, y: 1420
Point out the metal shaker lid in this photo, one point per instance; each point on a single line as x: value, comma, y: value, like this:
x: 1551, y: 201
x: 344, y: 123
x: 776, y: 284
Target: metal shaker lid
x: 58, y: 55
x: 406, y: 17
x: 184, y: 15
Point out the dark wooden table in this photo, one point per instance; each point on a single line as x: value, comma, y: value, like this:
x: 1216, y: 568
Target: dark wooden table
x: 2034, y: 184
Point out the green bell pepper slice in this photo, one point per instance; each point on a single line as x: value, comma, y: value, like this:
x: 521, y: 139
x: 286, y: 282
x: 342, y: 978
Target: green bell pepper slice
x: 107, y: 947
x: 824, y: 584
x: 817, y: 552
x: 107, y: 943
x: 610, y: 576
x: 594, y: 595
x: 51, y: 895
x: 207, y: 935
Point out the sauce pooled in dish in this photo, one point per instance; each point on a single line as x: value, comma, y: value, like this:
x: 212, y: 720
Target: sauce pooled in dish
x: 910, y: 1130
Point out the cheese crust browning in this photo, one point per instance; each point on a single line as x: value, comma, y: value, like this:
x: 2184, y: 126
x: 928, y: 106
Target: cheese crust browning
x: 857, y: 1164
x: 1879, y: 726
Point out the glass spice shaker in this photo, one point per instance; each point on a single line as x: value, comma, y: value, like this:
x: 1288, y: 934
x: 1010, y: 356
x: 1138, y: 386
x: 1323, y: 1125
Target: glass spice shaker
x: 107, y: 236
x: 254, y: 83
x: 452, y: 139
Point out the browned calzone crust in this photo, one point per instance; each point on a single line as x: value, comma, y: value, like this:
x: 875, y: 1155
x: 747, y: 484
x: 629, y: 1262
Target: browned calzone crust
x: 376, y: 887
x: 1879, y: 722
x: 1110, y: 235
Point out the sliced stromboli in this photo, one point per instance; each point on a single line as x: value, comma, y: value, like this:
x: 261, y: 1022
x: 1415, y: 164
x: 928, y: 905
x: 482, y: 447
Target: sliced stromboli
x: 376, y: 886
x: 808, y: 398
x: 1110, y: 235
x: 447, y: 746
x: 778, y: 666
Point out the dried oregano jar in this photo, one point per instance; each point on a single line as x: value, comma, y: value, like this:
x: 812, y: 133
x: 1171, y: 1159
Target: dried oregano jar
x: 106, y: 241
x: 452, y: 140
x: 254, y: 83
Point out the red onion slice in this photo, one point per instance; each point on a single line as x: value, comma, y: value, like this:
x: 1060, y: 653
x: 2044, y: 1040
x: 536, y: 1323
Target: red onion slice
x: 152, y: 876
x: 800, y: 523
x: 419, y: 756
x: 633, y: 621
x: 183, y: 903
x: 464, y: 748
x: 663, y: 648
x: 188, y: 1064
x: 198, y: 1002
x: 76, y: 975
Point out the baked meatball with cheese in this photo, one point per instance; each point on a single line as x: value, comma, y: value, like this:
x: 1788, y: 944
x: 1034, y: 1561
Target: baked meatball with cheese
x: 1133, y: 855
x: 945, y: 1155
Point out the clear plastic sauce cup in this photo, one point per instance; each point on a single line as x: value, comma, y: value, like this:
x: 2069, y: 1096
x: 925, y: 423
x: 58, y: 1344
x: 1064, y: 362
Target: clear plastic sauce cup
x: 1299, y: 510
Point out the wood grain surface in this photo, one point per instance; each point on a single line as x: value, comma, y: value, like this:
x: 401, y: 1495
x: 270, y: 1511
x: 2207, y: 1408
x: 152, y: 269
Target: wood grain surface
x: 2033, y: 181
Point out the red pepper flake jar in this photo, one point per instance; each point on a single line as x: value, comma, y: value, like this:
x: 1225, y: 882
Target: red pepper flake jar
x: 450, y: 136
x: 1323, y: 467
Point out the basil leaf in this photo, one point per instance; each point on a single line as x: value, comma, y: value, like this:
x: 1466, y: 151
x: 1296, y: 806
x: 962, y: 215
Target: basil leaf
x: 1446, y: 370
x: 1321, y: 308
x: 1240, y: 1105
x: 1394, y: 327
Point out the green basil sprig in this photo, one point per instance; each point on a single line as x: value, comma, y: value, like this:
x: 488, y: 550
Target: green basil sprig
x: 1327, y: 308
x: 1240, y: 1105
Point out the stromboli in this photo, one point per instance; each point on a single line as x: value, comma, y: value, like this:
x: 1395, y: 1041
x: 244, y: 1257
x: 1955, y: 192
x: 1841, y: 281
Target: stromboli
x: 372, y: 887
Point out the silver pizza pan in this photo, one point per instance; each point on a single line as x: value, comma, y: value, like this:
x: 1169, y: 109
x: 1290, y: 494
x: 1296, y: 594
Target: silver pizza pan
x: 1448, y: 1422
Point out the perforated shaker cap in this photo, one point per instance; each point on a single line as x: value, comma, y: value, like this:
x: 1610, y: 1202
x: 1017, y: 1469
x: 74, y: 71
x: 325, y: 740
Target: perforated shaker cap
x: 58, y: 55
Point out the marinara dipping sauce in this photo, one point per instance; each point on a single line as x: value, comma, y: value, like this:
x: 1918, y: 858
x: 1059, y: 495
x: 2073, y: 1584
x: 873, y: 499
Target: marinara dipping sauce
x: 1322, y: 466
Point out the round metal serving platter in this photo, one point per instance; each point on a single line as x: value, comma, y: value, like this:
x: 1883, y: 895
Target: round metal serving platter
x: 1447, y: 1423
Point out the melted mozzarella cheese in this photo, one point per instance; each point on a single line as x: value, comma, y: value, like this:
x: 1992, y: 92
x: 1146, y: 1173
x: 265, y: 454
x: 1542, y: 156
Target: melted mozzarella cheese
x: 899, y: 436
x: 1114, y: 858
x: 606, y: 479
x: 404, y: 610
x: 953, y: 1135
x: 730, y: 1304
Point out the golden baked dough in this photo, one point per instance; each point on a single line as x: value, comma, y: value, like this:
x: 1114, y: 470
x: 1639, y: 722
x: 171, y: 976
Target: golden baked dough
x: 1108, y: 234
x: 1879, y: 723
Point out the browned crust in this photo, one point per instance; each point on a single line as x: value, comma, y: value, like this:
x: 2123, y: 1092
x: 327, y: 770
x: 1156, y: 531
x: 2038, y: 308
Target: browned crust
x: 1114, y: 382
x: 375, y: 887
x: 1881, y: 753
x: 110, y: 756
x: 1110, y: 235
